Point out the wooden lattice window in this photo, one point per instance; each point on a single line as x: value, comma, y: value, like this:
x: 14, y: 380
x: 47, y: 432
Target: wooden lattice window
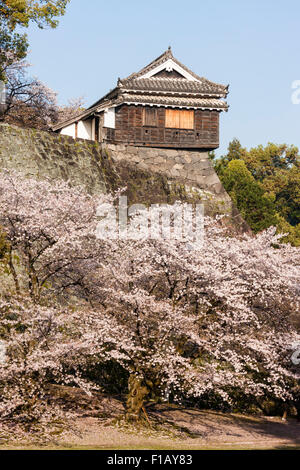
x: 150, y: 117
x: 179, y: 119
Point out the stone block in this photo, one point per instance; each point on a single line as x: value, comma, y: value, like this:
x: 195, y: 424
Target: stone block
x: 187, y: 158
x: 178, y: 166
x: 132, y: 150
x: 171, y: 153
x: 159, y: 160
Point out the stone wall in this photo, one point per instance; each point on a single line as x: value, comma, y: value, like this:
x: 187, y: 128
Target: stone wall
x: 193, y: 168
x: 41, y: 154
x: 150, y: 175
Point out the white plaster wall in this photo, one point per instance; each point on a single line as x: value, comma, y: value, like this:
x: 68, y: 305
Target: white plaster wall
x: 85, y: 129
x: 110, y: 118
x: 69, y: 130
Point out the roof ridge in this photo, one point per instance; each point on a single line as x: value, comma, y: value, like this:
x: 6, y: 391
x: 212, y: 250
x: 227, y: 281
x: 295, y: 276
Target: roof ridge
x: 165, y: 55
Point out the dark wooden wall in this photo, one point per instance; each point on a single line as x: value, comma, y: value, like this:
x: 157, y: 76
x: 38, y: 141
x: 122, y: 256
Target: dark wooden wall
x: 129, y: 129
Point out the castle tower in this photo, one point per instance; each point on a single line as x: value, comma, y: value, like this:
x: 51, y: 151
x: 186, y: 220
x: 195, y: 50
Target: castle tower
x: 163, y: 105
x: 164, y: 118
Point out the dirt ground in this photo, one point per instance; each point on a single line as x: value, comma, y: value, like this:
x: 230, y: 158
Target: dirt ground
x: 189, y: 429
x: 97, y: 426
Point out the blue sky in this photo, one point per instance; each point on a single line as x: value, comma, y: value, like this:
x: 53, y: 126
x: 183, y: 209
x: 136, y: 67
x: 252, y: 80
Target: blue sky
x: 252, y: 45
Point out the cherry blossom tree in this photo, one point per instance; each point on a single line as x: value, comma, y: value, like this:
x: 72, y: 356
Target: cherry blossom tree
x: 211, y: 321
x: 29, y: 102
x: 74, y: 107
x: 183, y: 321
x: 35, y: 340
x: 50, y: 228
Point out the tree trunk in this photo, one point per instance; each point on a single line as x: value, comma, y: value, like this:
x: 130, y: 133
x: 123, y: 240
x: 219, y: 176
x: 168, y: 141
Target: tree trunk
x: 13, y: 271
x: 137, y: 392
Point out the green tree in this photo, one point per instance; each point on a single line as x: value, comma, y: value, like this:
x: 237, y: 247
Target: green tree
x: 264, y: 162
x: 22, y: 12
x: 275, y: 182
x: 235, y: 150
x: 292, y: 234
x: 257, y: 208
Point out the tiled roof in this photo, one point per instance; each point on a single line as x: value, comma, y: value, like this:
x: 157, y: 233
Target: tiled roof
x: 173, y: 85
x: 159, y: 60
x: 196, y: 92
x: 163, y: 58
x: 175, y: 101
